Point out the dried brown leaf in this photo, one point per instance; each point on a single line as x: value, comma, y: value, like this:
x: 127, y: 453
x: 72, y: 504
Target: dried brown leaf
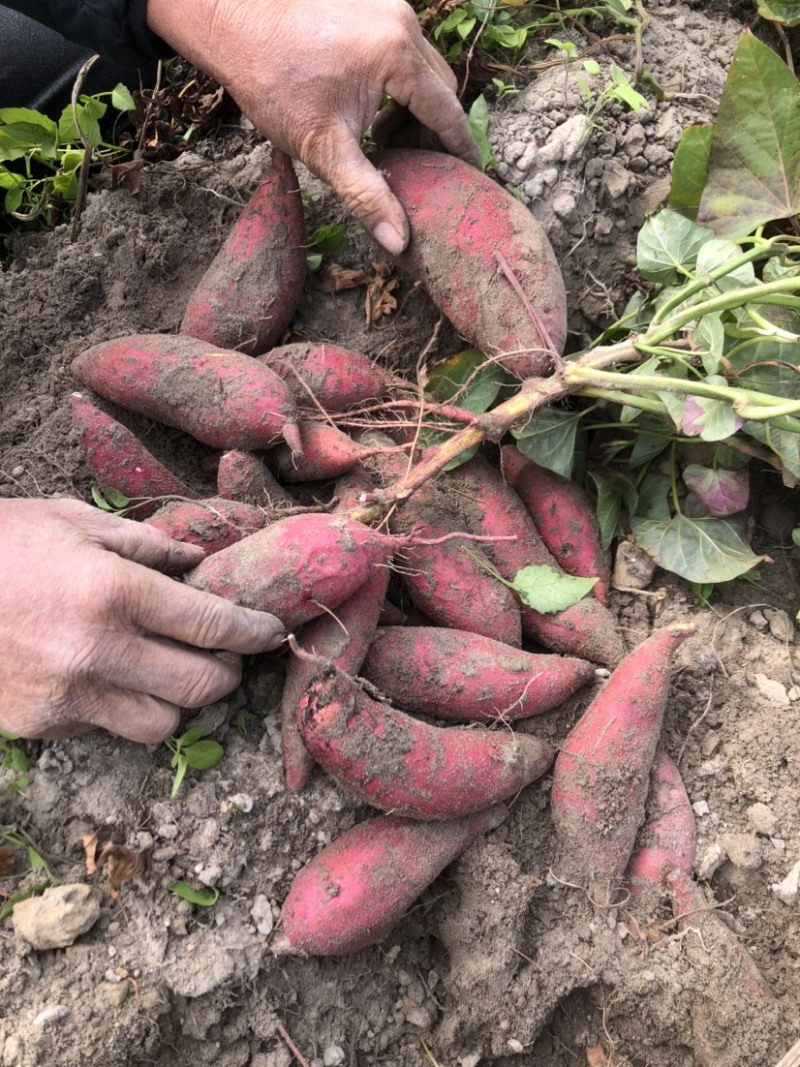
x: 121, y: 862
x: 334, y: 278
x: 379, y: 300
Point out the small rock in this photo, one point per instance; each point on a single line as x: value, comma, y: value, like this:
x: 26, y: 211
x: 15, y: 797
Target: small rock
x: 780, y: 626
x: 793, y: 693
x: 700, y: 807
x: 59, y: 916
x: 514, y: 1045
x: 771, y: 690
x: 789, y: 889
x: 710, y: 744
x: 261, y: 914
x: 710, y: 862
x: 657, y: 154
x: 118, y: 994
x: 53, y: 1015
x: 759, y: 620
x: 616, y: 180
x: 472, y: 1060
x: 743, y: 850
x: 762, y: 819
x: 12, y: 1050
x: 333, y: 1056
x: 564, y: 205
x: 633, y: 568
x: 419, y: 1016
x: 241, y: 802
x: 168, y: 831
x: 18, y: 471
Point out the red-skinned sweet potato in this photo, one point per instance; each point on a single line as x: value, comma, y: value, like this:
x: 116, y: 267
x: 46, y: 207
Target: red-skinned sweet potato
x: 602, y: 774
x: 464, y: 677
x: 490, y: 507
x: 245, y: 477
x: 460, y: 220
x: 403, y: 765
x: 564, y: 518
x: 298, y: 567
x: 325, y: 453
x: 246, y: 298
x: 119, y: 460
x: 212, y: 524
x: 343, y: 638
x: 358, y: 888
x: 332, y: 377
x: 220, y: 397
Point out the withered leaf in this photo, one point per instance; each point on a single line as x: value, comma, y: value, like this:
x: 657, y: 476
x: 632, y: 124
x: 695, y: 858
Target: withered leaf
x: 121, y: 862
x: 379, y: 300
x: 334, y: 278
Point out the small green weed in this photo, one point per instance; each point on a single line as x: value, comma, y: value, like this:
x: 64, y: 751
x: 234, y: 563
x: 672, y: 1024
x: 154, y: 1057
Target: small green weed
x: 12, y: 758
x: 192, y: 750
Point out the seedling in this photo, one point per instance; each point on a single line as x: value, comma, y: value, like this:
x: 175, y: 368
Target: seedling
x: 15, y: 838
x: 205, y: 897
x: 190, y: 750
x: 12, y: 758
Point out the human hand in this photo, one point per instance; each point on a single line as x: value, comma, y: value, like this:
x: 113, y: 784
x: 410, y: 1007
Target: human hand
x: 92, y: 635
x: 311, y: 76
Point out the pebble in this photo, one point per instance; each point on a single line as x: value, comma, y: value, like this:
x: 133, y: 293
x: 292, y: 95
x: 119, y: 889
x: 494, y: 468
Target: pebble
x: 58, y: 917
x: 743, y: 850
x: 710, y: 744
x: 261, y: 914
x: 616, y: 180
x: 710, y: 862
x: 759, y: 620
x: 700, y: 807
x: 771, y: 690
x: 52, y: 1015
x: 18, y: 471
x: 514, y: 1045
x: 633, y: 568
x: 333, y: 1056
x: 241, y: 802
x: 780, y: 626
x: 118, y: 994
x: 762, y: 819
x: 419, y: 1016
x: 789, y: 889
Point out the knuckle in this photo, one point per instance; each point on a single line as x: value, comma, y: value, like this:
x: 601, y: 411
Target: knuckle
x: 209, y: 681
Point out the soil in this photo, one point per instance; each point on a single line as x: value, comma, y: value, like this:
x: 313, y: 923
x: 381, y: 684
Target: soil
x: 499, y: 962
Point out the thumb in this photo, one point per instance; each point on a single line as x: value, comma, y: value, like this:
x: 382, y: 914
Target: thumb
x: 362, y: 189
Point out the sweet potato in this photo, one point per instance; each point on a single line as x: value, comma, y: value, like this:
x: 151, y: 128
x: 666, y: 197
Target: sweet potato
x: 326, y: 453
x: 245, y: 477
x: 221, y: 398
x: 359, y: 887
x: 119, y: 460
x: 602, y: 773
x: 460, y: 221
x: 401, y: 764
x: 212, y: 524
x: 343, y: 638
x: 335, y: 378
x: 298, y: 567
x: 250, y: 291
x: 668, y: 838
x: 459, y: 676
x: 489, y: 506
x: 564, y: 518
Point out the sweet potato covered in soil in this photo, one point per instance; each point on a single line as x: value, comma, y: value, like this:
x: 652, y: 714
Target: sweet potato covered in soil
x: 465, y: 677
x: 118, y: 459
x: 213, y: 524
x: 358, y: 888
x: 245, y: 477
x: 401, y: 764
x: 220, y: 397
x: 331, y: 377
x: 246, y: 298
x: 298, y: 567
x: 325, y: 453
x: 461, y: 224
x: 564, y: 517
x: 601, y: 777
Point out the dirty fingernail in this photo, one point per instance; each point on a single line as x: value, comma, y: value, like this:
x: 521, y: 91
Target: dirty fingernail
x: 391, y: 239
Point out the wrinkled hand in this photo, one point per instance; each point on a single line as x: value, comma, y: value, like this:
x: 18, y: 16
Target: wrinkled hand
x: 311, y: 75
x: 91, y: 635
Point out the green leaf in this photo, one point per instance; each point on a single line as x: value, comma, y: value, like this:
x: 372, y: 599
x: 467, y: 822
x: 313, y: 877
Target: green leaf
x: 479, y: 124
x: 623, y: 91
x: 699, y: 549
x: 549, y: 440
x: 667, y: 246
x: 716, y: 253
x: 313, y: 262
x: 116, y: 499
x: 10, y: 180
x: 547, y: 590
x: 783, y: 11
x: 6, y: 735
x: 468, y: 379
x: 191, y: 736
x: 711, y: 420
x: 754, y: 166
x: 206, y: 897
x: 7, y: 907
x: 646, y: 447
x: 99, y: 499
x: 614, y: 490
x: 13, y: 200
x: 20, y: 139
x: 654, y: 495
x: 90, y: 127
x: 16, y: 760
x: 690, y: 170
x: 178, y: 761
x: 709, y: 339
x: 203, y: 754
x: 328, y: 238
x: 784, y: 444
x: 121, y: 98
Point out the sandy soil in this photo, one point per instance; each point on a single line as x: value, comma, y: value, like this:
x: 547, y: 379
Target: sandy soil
x: 498, y: 963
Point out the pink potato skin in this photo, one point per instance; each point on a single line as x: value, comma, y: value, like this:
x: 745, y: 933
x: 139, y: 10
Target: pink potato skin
x: 326, y: 453
x: 490, y: 507
x: 246, y: 298
x: 460, y: 220
x: 465, y: 677
x: 357, y: 889
x: 342, y: 638
x: 334, y: 377
x: 403, y: 765
x: 244, y: 476
x: 119, y: 460
x: 296, y: 568
x: 564, y: 518
x: 601, y: 777
x: 219, y: 397
x: 211, y: 524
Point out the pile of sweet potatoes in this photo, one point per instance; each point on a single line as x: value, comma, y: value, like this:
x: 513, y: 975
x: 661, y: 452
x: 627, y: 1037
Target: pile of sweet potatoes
x: 416, y: 672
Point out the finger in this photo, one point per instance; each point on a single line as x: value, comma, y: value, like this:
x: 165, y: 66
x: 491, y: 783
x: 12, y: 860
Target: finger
x: 171, y: 672
x: 136, y: 716
x: 436, y: 106
x: 337, y: 158
x: 170, y: 609
x: 440, y: 64
x: 139, y: 543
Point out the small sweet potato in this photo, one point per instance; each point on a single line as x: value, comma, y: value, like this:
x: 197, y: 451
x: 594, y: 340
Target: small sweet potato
x: 461, y: 224
x: 220, y: 397
x: 325, y: 453
x: 602, y: 774
x: 342, y: 637
x: 465, y: 677
x: 212, y: 524
x: 564, y: 518
x: 401, y: 764
x: 298, y: 567
x: 246, y: 298
x: 245, y: 477
x: 329, y: 376
x: 358, y: 888
x: 119, y: 460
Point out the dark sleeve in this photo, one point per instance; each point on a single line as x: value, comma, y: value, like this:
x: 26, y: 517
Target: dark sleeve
x: 117, y: 29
